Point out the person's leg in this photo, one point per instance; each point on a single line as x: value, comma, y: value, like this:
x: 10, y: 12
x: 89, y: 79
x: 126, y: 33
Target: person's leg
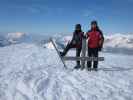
x: 69, y: 46
x: 95, y: 53
x: 89, y: 63
x: 78, y: 51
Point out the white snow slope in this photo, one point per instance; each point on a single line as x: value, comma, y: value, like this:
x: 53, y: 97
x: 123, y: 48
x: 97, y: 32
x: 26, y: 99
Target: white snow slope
x: 29, y: 72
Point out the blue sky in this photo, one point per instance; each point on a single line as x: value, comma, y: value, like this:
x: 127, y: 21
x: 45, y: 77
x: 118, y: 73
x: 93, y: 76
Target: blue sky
x: 60, y: 16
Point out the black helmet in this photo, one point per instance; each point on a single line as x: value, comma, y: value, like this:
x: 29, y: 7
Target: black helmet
x: 94, y: 22
x: 78, y: 26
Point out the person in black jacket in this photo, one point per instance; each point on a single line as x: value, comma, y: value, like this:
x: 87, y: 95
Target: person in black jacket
x: 76, y: 42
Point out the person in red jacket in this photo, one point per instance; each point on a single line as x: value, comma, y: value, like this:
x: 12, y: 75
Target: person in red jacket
x: 76, y: 42
x: 95, y: 43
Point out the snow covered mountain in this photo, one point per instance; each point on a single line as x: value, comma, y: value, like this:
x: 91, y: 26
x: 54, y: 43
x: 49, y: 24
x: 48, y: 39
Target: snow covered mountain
x: 30, y: 72
x: 12, y: 38
x: 2, y: 41
x: 117, y: 43
x: 114, y: 41
x: 18, y: 37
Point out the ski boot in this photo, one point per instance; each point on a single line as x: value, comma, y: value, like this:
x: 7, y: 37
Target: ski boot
x: 82, y: 67
x: 89, y: 68
x: 95, y: 69
x: 77, y: 67
x: 62, y: 54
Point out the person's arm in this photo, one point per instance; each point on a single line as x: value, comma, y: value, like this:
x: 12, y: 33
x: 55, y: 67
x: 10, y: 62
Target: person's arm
x: 87, y: 35
x: 83, y: 35
x: 73, y: 38
x: 101, y: 40
x: 102, y: 37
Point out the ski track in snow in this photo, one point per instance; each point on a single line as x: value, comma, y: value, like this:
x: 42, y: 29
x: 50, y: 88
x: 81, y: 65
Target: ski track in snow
x: 30, y: 72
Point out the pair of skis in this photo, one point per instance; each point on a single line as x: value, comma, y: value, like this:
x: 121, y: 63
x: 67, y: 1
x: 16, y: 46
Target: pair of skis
x: 83, y: 57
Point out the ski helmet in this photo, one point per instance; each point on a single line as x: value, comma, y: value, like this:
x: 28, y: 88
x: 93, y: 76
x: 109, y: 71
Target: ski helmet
x: 78, y: 26
x: 94, y: 22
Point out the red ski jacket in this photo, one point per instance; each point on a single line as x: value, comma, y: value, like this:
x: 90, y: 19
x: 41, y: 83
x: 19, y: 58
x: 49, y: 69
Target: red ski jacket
x: 94, y: 39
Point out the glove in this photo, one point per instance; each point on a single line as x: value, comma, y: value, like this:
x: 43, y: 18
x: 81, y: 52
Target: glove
x: 99, y: 48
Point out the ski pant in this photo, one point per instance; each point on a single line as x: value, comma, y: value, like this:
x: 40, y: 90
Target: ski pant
x: 78, y: 51
x: 92, y: 52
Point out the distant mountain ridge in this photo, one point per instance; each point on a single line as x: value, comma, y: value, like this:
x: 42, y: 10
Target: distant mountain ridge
x: 116, y: 43
x: 19, y: 37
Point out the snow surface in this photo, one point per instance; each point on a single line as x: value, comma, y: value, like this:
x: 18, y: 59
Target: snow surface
x: 30, y: 72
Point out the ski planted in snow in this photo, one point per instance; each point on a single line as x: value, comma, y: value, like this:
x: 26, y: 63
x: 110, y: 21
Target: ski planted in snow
x: 52, y: 41
x: 83, y: 53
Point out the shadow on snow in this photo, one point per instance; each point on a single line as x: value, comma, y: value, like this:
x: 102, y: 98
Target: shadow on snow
x: 116, y: 69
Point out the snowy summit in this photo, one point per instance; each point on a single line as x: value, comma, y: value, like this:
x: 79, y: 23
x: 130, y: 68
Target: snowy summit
x: 32, y: 72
